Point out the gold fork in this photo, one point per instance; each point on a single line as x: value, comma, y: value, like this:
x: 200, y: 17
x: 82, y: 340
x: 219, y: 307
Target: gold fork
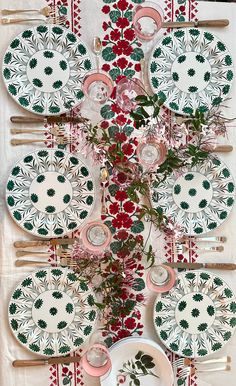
x: 64, y: 262
x: 55, y: 130
x: 63, y: 140
x: 61, y: 252
x: 45, y: 11
x: 50, y: 20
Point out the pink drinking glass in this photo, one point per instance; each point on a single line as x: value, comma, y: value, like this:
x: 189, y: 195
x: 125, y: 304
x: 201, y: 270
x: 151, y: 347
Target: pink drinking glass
x: 151, y: 153
x: 97, y: 86
x: 126, y: 91
x: 96, y: 361
x: 147, y: 20
x: 161, y: 278
x: 95, y: 237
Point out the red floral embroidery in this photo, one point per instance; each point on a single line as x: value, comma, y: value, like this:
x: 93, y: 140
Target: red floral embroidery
x: 122, y: 22
x: 114, y: 208
x: 115, y: 35
x: 122, y: 5
x: 129, y: 207
x: 122, y: 220
x: 121, y: 195
x: 122, y: 235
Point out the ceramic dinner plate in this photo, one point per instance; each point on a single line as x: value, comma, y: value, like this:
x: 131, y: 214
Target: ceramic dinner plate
x: 199, y: 199
x: 198, y: 316
x: 191, y: 69
x: 138, y: 361
x: 50, y: 193
x: 44, y: 67
x: 52, y: 312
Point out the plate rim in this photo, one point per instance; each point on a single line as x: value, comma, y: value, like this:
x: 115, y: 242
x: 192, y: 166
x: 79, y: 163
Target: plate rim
x: 3, y: 65
x: 69, y: 270
x: 159, y: 297
x: 95, y: 190
x: 171, y: 33
x: 147, y: 341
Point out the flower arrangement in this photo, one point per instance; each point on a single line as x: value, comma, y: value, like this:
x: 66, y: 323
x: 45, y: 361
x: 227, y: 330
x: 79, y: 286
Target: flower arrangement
x: 117, y: 274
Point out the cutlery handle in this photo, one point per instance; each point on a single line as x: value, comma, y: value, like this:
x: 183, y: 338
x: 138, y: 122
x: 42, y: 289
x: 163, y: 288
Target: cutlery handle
x: 5, y: 12
x: 30, y: 253
x: 222, y: 149
x: 16, y: 142
x: 212, y: 23
x: 221, y: 239
x: 29, y: 362
x: 225, y: 359
x: 24, y: 263
x: 22, y: 119
x: 219, y: 248
x: 20, y: 131
x: 16, y: 21
x: 220, y: 368
x: 30, y: 243
x: 226, y: 266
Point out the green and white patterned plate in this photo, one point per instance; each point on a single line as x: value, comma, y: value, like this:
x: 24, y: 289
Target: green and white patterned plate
x: 191, y: 69
x: 44, y: 67
x: 198, y: 316
x: 199, y: 199
x: 50, y: 193
x: 52, y: 312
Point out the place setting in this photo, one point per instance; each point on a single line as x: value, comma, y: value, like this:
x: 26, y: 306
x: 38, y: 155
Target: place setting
x: 128, y: 152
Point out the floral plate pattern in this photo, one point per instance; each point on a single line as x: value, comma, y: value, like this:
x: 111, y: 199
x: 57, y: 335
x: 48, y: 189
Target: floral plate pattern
x: 50, y: 193
x: 44, y: 67
x: 191, y: 69
x: 138, y: 361
x: 199, y: 199
x: 198, y: 316
x: 52, y: 312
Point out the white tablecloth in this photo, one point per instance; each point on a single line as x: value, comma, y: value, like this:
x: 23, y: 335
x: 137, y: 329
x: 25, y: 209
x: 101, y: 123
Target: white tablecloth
x: 91, y: 22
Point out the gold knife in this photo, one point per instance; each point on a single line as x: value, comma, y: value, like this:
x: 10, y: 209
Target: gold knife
x: 44, y: 120
x: 225, y: 266
x: 43, y: 362
x: 198, y: 23
x: 39, y: 243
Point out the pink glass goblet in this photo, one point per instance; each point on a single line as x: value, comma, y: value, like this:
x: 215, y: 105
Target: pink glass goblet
x: 95, y: 237
x: 96, y: 361
x: 126, y: 91
x: 161, y: 278
x: 97, y: 86
x: 147, y: 20
x: 151, y: 153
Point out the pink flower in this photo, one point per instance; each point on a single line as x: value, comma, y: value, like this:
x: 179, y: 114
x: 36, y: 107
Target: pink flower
x: 121, y: 378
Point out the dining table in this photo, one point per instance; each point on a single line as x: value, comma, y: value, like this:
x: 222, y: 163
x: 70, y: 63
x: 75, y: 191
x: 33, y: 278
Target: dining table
x: 88, y: 19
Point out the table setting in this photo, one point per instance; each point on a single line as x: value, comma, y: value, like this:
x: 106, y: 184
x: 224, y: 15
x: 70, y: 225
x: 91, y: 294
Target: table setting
x: 117, y: 195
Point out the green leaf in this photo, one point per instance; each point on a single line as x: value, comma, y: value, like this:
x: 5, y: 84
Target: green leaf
x: 129, y: 15
x: 113, y: 130
x: 115, y: 246
x: 138, y: 285
x: 106, y: 112
x: 137, y: 382
x: 129, y: 73
x: 108, y: 55
x: 128, y: 130
x: 113, y: 189
x: 137, y: 227
x: 66, y: 381
x: 138, y: 355
x: 109, y: 225
x: 114, y: 72
x: 137, y: 54
x: 114, y: 15
x: 109, y: 1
